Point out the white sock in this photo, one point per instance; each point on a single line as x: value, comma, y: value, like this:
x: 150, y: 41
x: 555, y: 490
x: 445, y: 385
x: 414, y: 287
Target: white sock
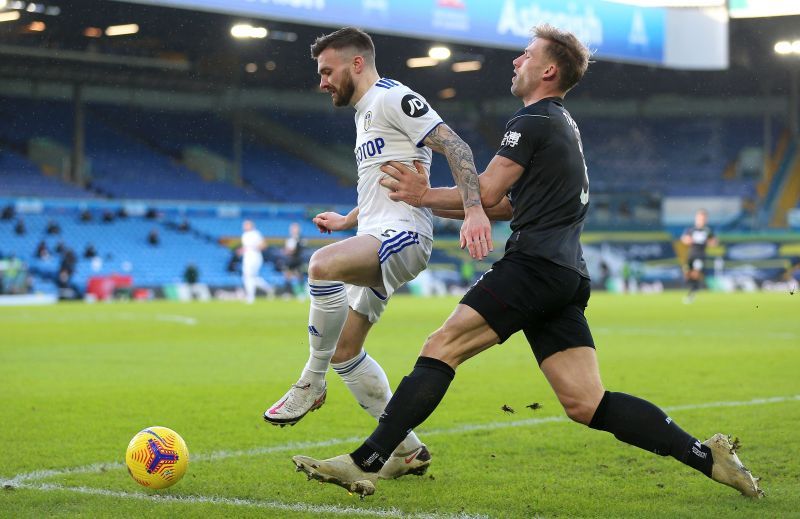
x: 325, y: 322
x: 367, y: 381
x: 249, y: 289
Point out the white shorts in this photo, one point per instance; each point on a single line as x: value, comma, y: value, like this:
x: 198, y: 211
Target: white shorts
x: 402, y: 257
x: 251, y: 265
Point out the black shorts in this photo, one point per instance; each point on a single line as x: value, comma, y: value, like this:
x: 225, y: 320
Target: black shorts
x: 544, y: 300
x: 696, y: 263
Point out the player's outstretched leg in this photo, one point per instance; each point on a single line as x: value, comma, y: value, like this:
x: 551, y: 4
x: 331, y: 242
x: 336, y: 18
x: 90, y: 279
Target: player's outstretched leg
x: 642, y: 424
x: 341, y: 471
x: 728, y: 469
x: 367, y: 381
x: 575, y: 377
x: 325, y: 322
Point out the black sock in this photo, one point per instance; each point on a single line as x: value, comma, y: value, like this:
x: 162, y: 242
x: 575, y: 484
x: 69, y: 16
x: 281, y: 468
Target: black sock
x: 415, y: 399
x: 642, y: 424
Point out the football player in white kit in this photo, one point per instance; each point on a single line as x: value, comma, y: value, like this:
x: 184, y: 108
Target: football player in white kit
x: 350, y: 281
x: 252, y: 260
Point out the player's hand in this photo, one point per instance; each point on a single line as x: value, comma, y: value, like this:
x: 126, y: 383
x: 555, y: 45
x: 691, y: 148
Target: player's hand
x: 476, y: 233
x: 405, y: 184
x: 329, y: 221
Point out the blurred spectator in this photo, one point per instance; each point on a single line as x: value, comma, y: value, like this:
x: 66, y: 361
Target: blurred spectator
x: 122, y: 213
x: 86, y: 216
x: 53, y: 228
x: 66, y: 288
x: 235, y: 261
x: 96, y: 264
x: 42, y: 252
x: 191, y: 275
x: 68, y: 261
x: 108, y: 216
x: 153, y: 238
x: 8, y: 212
x: 184, y: 226
x: 151, y: 214
x: 605, y: 274
x: 89, y: 252
x: 19, y: 228
x: 293, y: 260
x: 14, y: 278
x: 60, y: 248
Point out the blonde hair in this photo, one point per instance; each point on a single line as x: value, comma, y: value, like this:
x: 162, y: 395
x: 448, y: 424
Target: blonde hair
x: 570, y: 54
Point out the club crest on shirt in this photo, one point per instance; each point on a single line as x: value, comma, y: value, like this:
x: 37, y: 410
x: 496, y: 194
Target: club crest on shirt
x: 367, y: 120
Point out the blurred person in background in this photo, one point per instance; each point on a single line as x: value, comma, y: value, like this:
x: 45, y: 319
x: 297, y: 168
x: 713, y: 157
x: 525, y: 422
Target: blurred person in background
x: 42, y: 252
x: 19, y: 228
x: 697, y: 238
x: 351, y: 281
x: 153, y: 237
x: 252, y: 253
x: 293, y: 249
x: 7, y: 213
x: 53, y: 227
x: 89, y: 251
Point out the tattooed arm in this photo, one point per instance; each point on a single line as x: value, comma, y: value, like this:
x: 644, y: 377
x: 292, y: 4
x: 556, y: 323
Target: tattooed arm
x: 459, y: 156
x: 476, y: 232
x: 501, y: 211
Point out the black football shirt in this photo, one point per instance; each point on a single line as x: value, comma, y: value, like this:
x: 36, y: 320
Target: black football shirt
x: 700, y: 237
x: 551, y: 198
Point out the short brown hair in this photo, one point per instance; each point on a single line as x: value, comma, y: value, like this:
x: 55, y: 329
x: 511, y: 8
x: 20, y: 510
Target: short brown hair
x: 569, y: 53
x: 344, y: 38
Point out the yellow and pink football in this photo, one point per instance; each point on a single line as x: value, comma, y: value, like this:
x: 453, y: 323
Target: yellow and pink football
x: 157, y: 457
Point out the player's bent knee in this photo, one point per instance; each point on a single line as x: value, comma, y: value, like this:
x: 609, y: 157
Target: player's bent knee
x: 580, y: 414
x: 580, y: 411
x: 318, y: 268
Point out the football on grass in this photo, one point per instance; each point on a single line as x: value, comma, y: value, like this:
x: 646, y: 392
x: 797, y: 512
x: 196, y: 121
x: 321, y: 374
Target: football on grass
x: 157, y: 457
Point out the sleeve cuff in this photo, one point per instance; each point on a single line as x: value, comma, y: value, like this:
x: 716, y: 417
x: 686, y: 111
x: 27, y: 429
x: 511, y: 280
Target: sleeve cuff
x: 421, y: 142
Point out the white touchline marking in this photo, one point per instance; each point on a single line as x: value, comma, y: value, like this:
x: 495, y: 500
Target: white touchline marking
x: 189, y: 321
x: 111, y: 317
x: 26, y: 480
x: 234, y: 501
x: 297, y: 446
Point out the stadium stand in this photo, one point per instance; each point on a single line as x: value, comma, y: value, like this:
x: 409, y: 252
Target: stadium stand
x: 269, y: 174
x: 20, y: 177
x: 122, y: 247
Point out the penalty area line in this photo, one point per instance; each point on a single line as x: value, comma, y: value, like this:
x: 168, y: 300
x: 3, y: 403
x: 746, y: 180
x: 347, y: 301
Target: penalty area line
x: 348, y: 511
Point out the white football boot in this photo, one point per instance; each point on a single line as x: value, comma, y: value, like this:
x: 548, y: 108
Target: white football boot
x: 728, y: 469
x: 341, y: 470
x: 415, y: 462
x: 301, y: 399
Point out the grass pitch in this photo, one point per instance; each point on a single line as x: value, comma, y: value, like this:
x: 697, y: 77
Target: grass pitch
x: 78, y: 381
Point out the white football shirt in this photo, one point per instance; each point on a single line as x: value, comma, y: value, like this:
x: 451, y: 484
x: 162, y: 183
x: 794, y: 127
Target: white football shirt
x: 391, y: 122
x: 252, y: 241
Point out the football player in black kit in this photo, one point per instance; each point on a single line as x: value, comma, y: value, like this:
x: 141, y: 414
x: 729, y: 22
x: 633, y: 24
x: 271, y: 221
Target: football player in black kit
x: 697, y: 238
x: 538, y: 178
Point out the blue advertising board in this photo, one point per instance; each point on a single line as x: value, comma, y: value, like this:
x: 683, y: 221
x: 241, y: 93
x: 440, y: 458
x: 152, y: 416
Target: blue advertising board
x: 614, y: 31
